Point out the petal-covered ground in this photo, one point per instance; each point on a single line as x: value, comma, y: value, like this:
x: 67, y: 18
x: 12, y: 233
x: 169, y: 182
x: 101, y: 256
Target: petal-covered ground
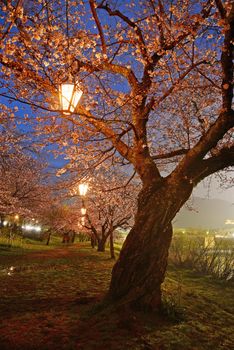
x: 50, y: 300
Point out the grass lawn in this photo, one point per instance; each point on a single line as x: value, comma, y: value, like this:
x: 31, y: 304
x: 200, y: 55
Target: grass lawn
x: 51, y: 301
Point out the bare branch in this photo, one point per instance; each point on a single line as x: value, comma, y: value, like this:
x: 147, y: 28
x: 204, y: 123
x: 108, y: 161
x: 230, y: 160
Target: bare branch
x: 208, y: 141
x: 14, y: 17
x: 122, y: 186
x: 99, y: 26
x: 102, y: 126
x: 221, y: 8
x: 182, y: 76
x: 132, y: 24
x: 223, y: 159
x: 154, y: 59
x: 114, y: 68
x: 227, y: 62
x: 171, y: 154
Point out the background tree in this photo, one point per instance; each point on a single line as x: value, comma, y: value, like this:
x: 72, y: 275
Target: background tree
x: 157, y: 78
x: 24, y: 185
x: 61, y: 219
x: 109, y: 204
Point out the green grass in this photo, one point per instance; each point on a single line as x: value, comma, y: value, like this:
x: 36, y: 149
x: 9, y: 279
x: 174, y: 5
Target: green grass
x: 117, y: 247
x: 52, y: 301
x: 19, y: 244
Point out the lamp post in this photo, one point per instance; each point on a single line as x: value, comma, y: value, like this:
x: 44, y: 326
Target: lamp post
x: 83, y: 188
x: 16, y: 223
x: 69, y: 95
x: 83, y: 211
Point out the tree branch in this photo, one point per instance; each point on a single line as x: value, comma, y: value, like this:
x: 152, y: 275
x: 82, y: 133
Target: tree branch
x: 156, y: 56
x: 227, y: 62
x: 225, y: 121
x: 208, y: 141
x: 133, y: 25
x: 171, y: 154
x: 14, y: 17
x: 221, y: 9
x: 98, y: 23
x: 223, y: 159
x: 170, y: 90
x: 25, y: 71
x: 114, y: 68
x: 102, y: 127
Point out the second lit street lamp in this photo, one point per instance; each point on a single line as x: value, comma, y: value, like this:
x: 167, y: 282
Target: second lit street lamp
x: 83, y: 188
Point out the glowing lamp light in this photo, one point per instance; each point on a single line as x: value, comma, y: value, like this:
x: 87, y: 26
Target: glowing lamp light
x: 83, y: 188
x: 16, y: 217
x: 70, y: 95
x: 83, y: 211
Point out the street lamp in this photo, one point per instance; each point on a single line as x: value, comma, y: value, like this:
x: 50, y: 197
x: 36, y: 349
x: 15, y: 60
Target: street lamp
x: 83, y: 211
x: 83, y: 188
x: 69, y: 94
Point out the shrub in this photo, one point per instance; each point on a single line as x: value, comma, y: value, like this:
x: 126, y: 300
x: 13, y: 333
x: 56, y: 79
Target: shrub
x: 204, y: 254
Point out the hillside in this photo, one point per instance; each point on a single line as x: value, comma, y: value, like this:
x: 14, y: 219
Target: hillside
x: 205, y: 213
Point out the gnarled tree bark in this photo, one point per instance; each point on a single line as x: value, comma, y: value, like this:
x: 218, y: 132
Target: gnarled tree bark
x: 140, y: 270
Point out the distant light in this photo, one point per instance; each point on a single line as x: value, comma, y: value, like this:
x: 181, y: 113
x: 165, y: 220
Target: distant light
x: 16, y: 217
x: 229, y: 222
x: 29, y: 227
x: 5, y: 222
x: 83, y: 188
x: 70, y: 95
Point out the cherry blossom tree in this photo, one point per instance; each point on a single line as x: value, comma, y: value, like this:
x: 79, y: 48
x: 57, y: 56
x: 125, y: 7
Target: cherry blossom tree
x: 61, y: 219
x: 157, y: 81
x: 109, y: 205
x: 24, y: 189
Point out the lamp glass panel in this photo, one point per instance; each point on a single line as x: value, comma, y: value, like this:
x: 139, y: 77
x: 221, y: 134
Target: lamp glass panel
x: 75, y: 99
x: 83, y: 188
x: 83, y: 211
x: 66, y: 91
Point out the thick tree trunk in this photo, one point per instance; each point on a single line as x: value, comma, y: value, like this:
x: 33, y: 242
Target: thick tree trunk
x: 101, y: 245
x: 140, y: 270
